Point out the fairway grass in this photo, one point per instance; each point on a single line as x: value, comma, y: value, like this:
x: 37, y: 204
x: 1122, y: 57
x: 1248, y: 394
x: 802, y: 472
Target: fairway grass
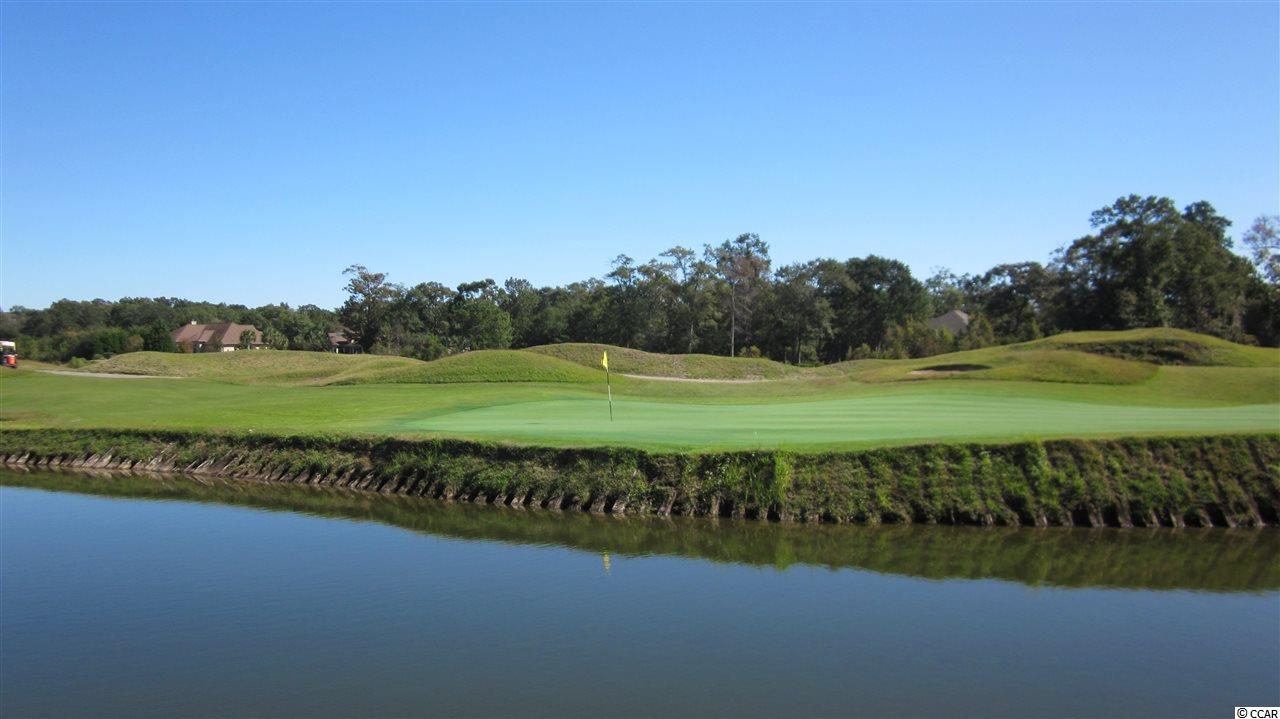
x: 1092, y: 384
x: 655, y: 415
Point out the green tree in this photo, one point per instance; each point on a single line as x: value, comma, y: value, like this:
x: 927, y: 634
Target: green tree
x: 522, y: 302
x: 275, y: 339
x: 156, y: 338
x: 1262, y: 308
x: 800, y: 316
x: 946, y: 291
x: 628, y: 309
x: 980, y: 334
x: 306, y: 328
x: 743, y: 266
x: 477, y: 322
x: 1151, y: 266
x: 369, y: 299
x: 1015, y: 299
x: 1209, y: 282
x: 867, y: 296
x: 691, y: 311
x: 1117, y: 274
x: 1262, y: 240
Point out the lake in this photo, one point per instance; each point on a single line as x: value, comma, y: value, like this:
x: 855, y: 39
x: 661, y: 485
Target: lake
x: 129, y: 596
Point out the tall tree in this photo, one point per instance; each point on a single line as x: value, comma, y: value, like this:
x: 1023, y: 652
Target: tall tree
x: 628, y: 312
x: 801, y: 316
x: 1121, y: 269
x: 946, y: 291
x: 1152, y: 266
x: 743, y: 264
x: 1262, y: 240
x: 692, y: 279
x: 1262, y: 309
x: 1015, y: 298
x: 476, y: 319
x: 369, y: 298
x: 522, y: 302
x: 867, y: 295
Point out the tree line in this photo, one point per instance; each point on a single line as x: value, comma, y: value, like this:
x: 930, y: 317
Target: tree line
x: 1147, y: 263
x: 90, y: 329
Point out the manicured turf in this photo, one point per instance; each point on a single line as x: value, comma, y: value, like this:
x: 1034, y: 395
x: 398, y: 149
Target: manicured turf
x: 818, y: 413
x: 864, y: 421
x: 1074, y: 385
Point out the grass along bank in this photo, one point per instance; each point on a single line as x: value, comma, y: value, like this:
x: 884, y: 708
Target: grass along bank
x: 1205, y: 481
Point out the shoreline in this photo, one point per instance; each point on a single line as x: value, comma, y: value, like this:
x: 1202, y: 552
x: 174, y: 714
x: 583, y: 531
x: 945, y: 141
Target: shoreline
x: 1221, y: 561
x: 1208, y: 481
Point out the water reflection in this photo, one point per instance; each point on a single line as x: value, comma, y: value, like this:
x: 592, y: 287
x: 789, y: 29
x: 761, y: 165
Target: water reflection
x: 1216, y: 560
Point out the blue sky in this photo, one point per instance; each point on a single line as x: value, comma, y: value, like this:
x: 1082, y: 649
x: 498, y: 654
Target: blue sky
x: 249, y: 152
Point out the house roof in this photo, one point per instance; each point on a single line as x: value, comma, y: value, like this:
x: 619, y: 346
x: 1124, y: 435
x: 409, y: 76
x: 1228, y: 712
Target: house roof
x: 954, y: 322
x: 223, y: 333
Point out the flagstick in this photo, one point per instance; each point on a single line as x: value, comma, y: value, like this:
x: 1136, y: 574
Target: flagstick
x: 609, y: 385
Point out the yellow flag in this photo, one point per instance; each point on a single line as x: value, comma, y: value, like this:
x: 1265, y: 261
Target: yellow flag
x: 604, y: 360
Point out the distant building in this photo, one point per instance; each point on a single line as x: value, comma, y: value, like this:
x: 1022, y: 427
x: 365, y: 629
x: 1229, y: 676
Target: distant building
x: 217, y: 337
x: 339, y: 343
x: 955, y: 322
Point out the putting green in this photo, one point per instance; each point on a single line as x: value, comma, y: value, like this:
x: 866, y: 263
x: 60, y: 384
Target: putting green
x: 875, y: 420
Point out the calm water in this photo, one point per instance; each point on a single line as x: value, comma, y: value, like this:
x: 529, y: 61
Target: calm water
x: 233, y: 599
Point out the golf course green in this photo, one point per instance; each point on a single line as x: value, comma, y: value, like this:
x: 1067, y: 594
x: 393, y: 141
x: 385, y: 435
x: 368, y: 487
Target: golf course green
x: 1138, y: 428
x: 552, y: 396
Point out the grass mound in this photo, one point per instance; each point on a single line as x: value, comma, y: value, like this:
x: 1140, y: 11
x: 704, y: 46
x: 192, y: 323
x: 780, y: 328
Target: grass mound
x: 321, y: 368
x: 1101, y: 358
x: 693, y: 366
x: 481, y: 366
x: 1014, y: 363
x: 1162, y: 346
x: 1108, y: 358
x: 256, y: 367
x: 1069, y: 366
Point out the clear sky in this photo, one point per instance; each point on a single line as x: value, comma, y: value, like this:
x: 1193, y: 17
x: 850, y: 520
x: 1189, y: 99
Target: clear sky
x: 249, y: 152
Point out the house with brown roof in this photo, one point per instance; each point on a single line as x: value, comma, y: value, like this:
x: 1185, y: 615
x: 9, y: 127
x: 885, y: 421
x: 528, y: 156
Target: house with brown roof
x: 216, y: 337
x: 341, y: 344
x: 955, y: 322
